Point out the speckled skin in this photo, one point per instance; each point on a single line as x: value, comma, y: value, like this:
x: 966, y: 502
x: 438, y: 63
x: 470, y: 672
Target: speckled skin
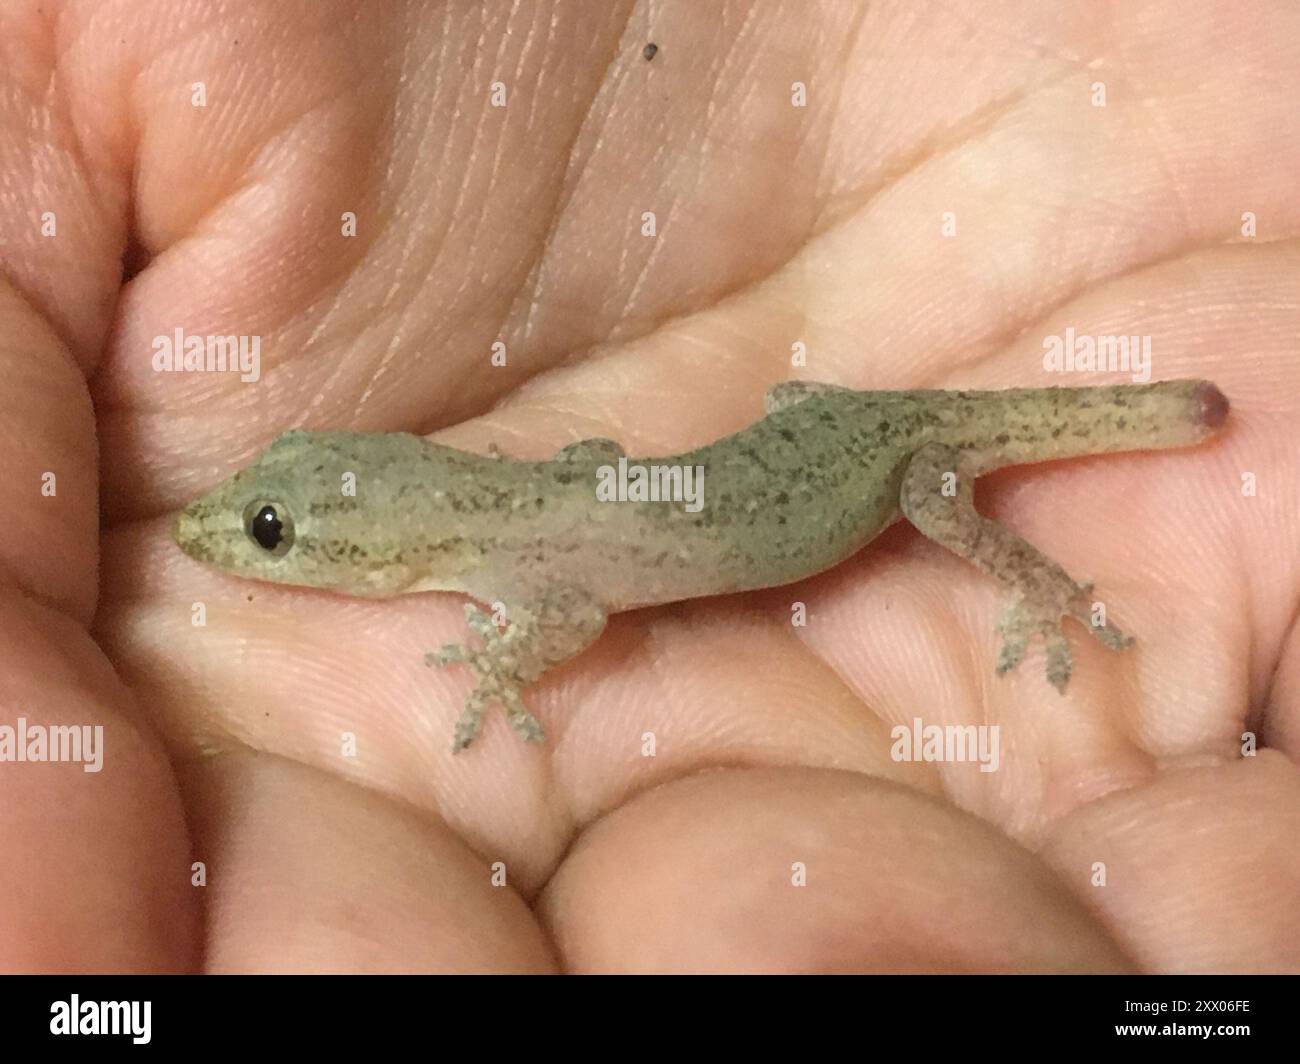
x: 795, y: 493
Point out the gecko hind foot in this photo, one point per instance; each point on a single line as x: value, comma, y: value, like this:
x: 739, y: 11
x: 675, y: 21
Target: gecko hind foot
x: 523, y: 723
x: 469, y: 721
x: 1022, y: 620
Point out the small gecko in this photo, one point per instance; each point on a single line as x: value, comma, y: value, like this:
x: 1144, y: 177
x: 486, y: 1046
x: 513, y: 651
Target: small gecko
x: 795, y: 493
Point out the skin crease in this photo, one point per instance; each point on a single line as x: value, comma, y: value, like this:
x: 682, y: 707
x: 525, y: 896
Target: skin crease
x: 777, y: 226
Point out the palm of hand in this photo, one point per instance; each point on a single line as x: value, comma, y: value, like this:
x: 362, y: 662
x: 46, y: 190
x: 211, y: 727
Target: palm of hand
x: 295, y: 744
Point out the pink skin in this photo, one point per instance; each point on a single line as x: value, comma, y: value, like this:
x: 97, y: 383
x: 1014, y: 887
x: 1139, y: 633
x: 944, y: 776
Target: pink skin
x: 776, y: 225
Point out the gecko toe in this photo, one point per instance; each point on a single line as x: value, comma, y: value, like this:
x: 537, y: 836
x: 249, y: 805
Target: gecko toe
x: 450, y: 654
x: 1013, y: 650
x: 526, y: 726
x: 523, y: 723
x: 1060, y: 663
x: 1014, y: 627
x: 469, y: 722
x: 462, y: 737
x: 1110, y: 636
x: 1081, y: 608
x: 481, y: 623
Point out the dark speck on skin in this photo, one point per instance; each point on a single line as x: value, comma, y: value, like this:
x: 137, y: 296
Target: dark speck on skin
x: 650, y: 51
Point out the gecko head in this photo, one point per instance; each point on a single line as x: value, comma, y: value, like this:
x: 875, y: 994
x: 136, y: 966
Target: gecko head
x: 288, y: 518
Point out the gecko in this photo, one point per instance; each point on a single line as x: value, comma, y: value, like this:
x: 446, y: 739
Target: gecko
x: 795, y: 493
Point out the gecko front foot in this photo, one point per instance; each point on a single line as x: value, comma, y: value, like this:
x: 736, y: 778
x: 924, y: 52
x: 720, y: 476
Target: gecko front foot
x: 543, y: 630
x: 497, y: 668
x: 1024, y: 618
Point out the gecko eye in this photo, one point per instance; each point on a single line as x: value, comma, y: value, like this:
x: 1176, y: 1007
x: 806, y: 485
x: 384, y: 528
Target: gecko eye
x: 269, y: 525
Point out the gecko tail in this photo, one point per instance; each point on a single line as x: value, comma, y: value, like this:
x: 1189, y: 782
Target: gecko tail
x: 1212, y: 405
x: 1041, y: 424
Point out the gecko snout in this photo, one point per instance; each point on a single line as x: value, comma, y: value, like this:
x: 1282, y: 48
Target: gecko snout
x: 187, y: 530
